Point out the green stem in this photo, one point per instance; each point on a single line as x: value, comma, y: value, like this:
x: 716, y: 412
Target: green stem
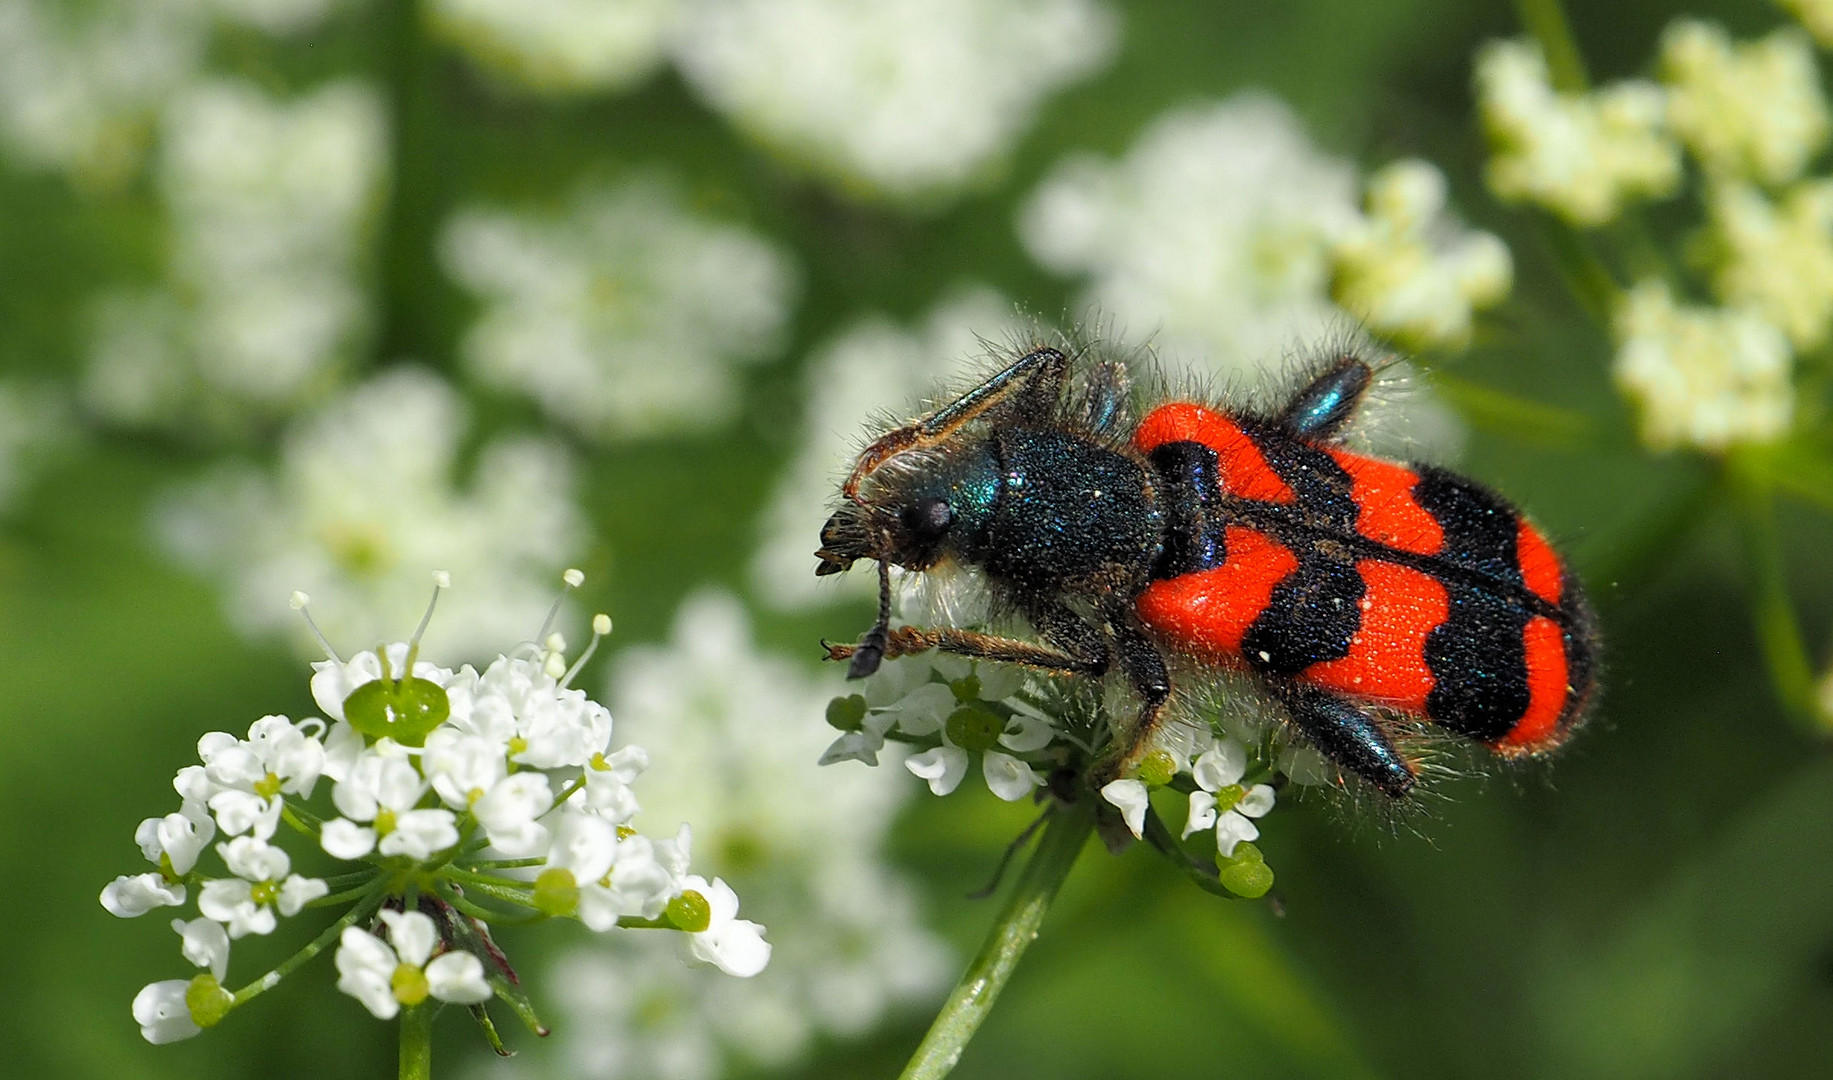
x: 417, y: 1042
x: 1014, y: 929
x: 408, y: 274
x: 1546, y: 21
x: 317, y: 945
x: 1778, y: 631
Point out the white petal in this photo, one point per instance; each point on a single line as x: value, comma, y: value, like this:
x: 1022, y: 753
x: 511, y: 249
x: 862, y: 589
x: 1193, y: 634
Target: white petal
x: 129, y: 897
x: 853, y: 746
x: 951, y: 667
x: 346, y: 839
x: 1000, y: 681
x: 419, y: 833
x: 458, y: 977
x: 1132, y: 798
x: 184, y: 835
x: 365, y: 968
x: 1232, y: 829
x: 736, y: 947
x: 584, y: 844
x: 160, y: 1010
x: 239, y: 812
x: 1025, y: 733
x: 297, y: 891
x: 412, y: 934
x: 205, y: 943
x: 1008, y: 777
x: 1222, y: 764
x: 1257, y: 802
x: 1202, y: 812
x: 943, y: 767
x: 923, y: 710
x: 254, y: 859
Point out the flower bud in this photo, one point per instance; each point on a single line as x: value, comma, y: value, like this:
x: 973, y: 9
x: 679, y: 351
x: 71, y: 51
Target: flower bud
x: 556, y: 892
x: 690, y: 912
x: 975, y: 727
x: 207, y: 1001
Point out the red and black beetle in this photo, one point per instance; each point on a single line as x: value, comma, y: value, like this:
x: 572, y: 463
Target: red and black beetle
x: 1359, y: 592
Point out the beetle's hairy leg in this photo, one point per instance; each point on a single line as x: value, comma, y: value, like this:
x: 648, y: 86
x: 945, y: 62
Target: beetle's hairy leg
x: 1145, y: 670
x: 1039, y: 372
x: 908, y: 640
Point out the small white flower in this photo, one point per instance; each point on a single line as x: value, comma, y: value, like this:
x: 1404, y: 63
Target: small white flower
x: 206, y: 944
x: 1704, y: 377
x: 942, y: 766
x: 385, y: 788
x: 130, y: 897
x: 246, y: 903
x: 510, y: 813
x: 384, y: 978
x: 462, y: 766
x: 1775, y: 259
x: 608, y: 780
x: 910, y: 99
x: 1750, y: 109
x: 1133, y: 799
x: 735, y: 946
x: 540, y: 723
x: 1218, y: 772
x: 1409, y: 270
x: 162, y: 1014
x: 179, y: 837
x: 580, y: 312
x: 1583, y: 156
x: 1008, y: 777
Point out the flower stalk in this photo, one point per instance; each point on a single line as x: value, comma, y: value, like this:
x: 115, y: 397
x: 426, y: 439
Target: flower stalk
x: 1065, y: 834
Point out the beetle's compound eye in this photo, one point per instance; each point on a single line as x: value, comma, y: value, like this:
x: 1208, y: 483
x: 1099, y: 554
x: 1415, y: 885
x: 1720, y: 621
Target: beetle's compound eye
x: 929, y: 519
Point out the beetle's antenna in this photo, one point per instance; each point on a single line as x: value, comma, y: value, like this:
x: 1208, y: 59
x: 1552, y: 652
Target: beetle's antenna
x: 872, y: 650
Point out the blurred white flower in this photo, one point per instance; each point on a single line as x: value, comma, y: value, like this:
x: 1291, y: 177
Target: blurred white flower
x: 80, y: 84
x: 1703, y: 377
x: 1212, y: 236
x: 34, y: 423
x: 1776, y: 259
x: 624, y: 317
x: 733, y: 735
x: 274, y: 16
x: 268, y: 207
x: 362, y: 506
x: 1582, y: 156
x: 560, y: 46
x: 1745, y: 109
x: 1409, y: 269
x: 872, y: 369
x: 904, y: 99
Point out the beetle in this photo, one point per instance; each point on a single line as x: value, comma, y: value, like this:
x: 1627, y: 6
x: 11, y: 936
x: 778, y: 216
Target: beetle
x: 1365, y: 596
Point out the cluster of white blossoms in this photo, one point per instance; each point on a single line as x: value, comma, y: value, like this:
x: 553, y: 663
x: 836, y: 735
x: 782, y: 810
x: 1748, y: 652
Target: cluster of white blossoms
x: 1226, y: 796
x: 901, y: 99
x: 82, y: 84
x: 496, y: 786
x: 362, y: 496
x: 1582, y: 156
x: 1704, y: 376
x: 627, y: 315
x: 560, y: 46
x: 1226, y: 234
x: 1407, y: 271
x: 269, y: 206
x: 1752, y: 116
x: 872, y: 369
x: 729, y: 728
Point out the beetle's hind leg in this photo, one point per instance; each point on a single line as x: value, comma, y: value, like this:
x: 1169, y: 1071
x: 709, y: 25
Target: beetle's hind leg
x: 1349, y: 735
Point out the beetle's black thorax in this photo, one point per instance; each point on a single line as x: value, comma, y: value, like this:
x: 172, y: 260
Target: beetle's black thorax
x: 1066, y: 509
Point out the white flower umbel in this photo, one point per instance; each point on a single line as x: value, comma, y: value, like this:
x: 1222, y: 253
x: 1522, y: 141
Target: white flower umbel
x: 1775, y: 258
x: 1408, y: 270
x: 363, y: 502
x: 1211, y: 237
x: 871, y: 369
x: 1745, y: 109
x: 1582, y: 156
x: 560, y: 46
x: 268, y: 205
x: 81, y: 84
x: 1221, y: 801
x: 625, y: 316
x: 434, y: 842
x: 908, y: 100
x: 731, y: 749
x: 1704, y: 377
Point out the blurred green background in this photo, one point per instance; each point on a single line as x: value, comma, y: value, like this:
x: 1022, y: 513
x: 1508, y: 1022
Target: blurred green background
x: 1656, y: 903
